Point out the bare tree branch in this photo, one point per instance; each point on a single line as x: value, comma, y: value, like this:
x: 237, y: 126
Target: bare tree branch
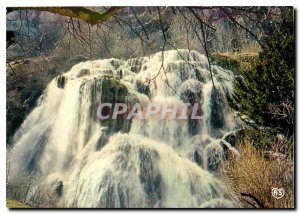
x: 82, y: 13
x: 205, y: 44
x: 237, y: 23
x: 139, y: 21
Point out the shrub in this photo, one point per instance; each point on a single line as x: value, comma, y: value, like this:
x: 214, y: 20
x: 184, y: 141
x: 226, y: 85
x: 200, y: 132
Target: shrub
x: 264, y: 96
x: 256, y: 172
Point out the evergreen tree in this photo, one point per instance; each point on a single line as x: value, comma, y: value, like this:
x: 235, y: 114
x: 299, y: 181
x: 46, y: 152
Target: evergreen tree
x: 264, y: 95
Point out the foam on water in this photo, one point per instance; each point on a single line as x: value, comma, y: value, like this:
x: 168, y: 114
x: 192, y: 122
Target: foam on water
x: 153, y: 163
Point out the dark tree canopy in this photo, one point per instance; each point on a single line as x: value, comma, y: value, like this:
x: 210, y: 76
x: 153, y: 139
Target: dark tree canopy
x: 265, y: 93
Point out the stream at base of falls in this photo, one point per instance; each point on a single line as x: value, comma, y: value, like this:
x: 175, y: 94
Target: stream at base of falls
x: 130, y: 163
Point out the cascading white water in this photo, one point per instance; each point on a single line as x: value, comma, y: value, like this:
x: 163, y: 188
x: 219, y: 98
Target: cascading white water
x: 136, y: 163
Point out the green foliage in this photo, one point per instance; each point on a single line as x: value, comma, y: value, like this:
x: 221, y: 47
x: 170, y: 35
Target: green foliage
x: 234, y: 61
x: 265, y: 140
x: 264, y: 95
x: 261, y: 139
x: 227, y: 62
x: 113, y: 91
x: 10, y: 203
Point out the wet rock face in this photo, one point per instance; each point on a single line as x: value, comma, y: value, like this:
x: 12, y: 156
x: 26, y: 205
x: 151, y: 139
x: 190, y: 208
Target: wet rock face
x: 231, y: 138
x: 213, y: 161
x: 234, y: 137
x: 134, y: 174
x: 61, y: 81
x: 216, y: 152
x: 198, y: 75
x: 84, y: 72
x: 143, y: 88
x: 135, y: 65
x: 31, y: 158
x: 225, y: 150
x: 217, y: 116
x: 197, y: 154
x: 209, y: 153
x: 193, y: 126
x: 193, y: 96
x: 140, y: 184
x: 109, y: 190
x: 59, y: 188
x: 149, y: 176
x: 112, y: 91
x: 198, y: 158
x: 189, y: 96
x: 115, y: 63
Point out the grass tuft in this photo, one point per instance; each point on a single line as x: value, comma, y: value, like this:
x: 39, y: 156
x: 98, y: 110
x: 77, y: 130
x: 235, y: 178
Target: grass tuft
x: 10, y: 203
x: 256, y: 172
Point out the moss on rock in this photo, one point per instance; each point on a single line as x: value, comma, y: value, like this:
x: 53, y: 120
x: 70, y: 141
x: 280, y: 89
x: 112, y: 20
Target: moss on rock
x: 143, y: 88
x: 10, y: 203
x: 235, y: 61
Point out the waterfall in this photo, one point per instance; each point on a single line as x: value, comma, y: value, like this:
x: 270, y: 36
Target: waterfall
x: 130, y: 162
